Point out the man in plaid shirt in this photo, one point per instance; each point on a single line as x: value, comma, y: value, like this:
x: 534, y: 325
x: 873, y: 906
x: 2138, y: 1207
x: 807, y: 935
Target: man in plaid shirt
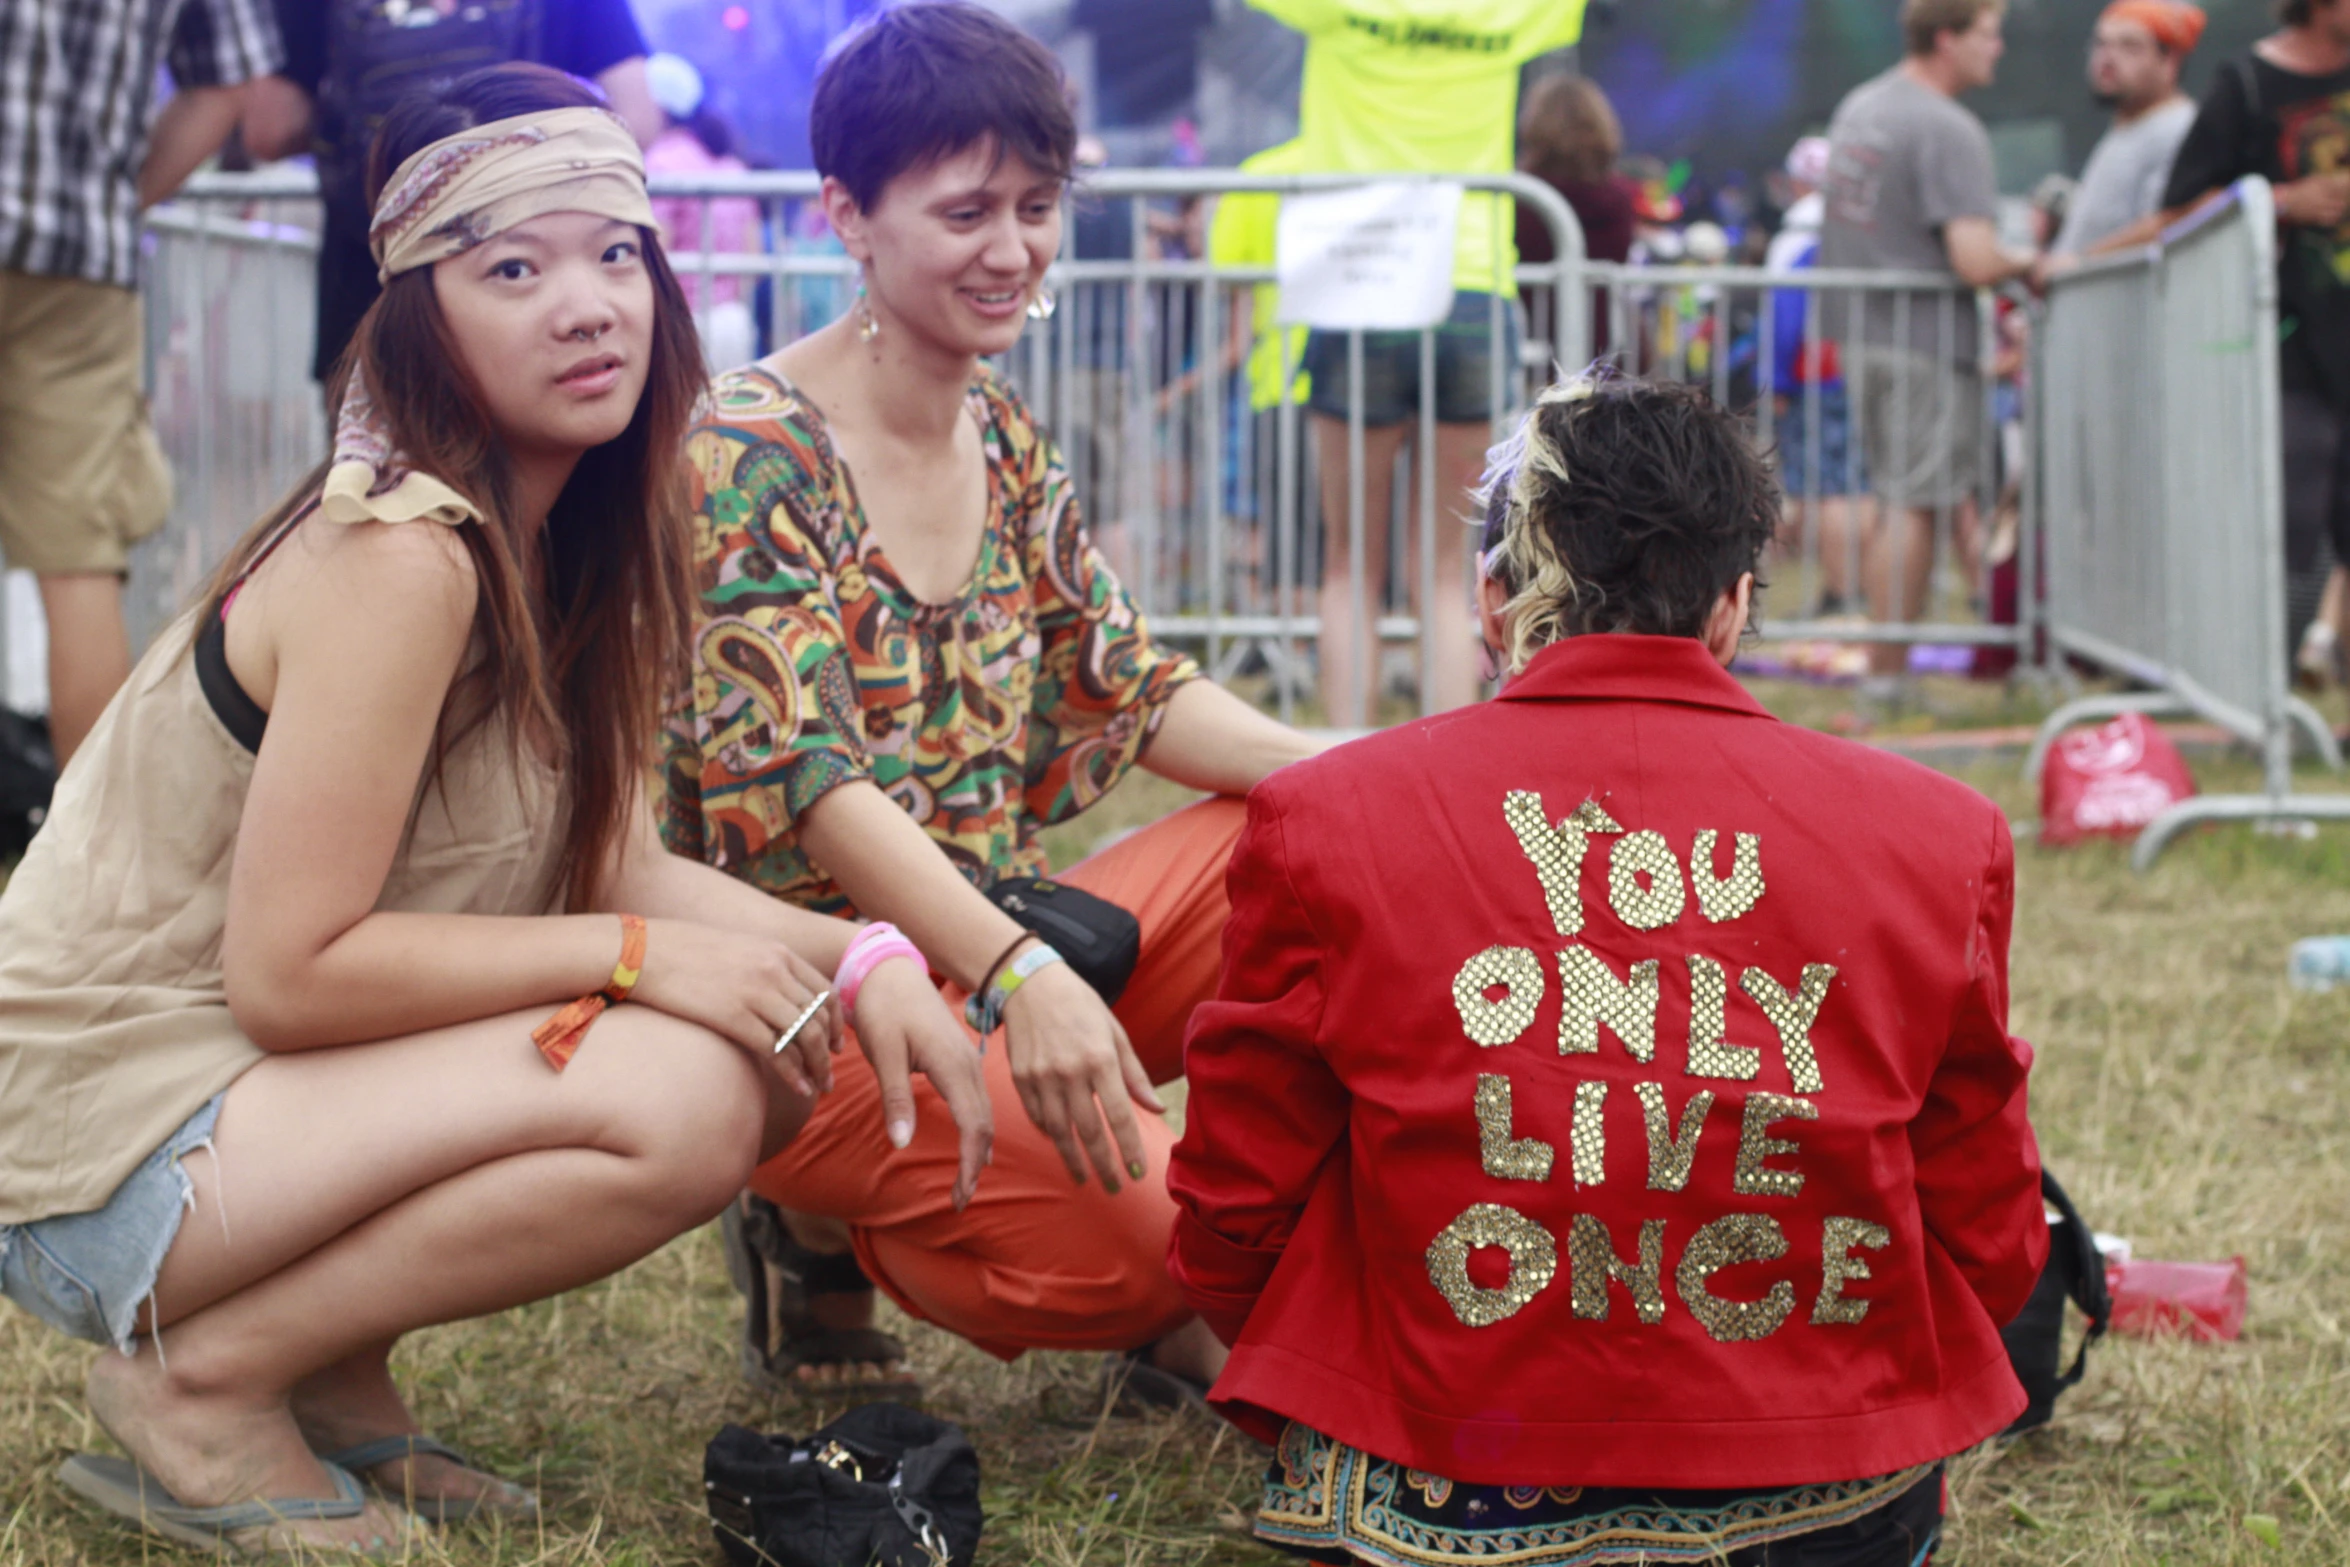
x: 82, y: 150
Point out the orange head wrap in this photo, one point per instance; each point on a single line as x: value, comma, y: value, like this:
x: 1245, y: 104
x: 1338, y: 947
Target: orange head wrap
x: 2175, y: 25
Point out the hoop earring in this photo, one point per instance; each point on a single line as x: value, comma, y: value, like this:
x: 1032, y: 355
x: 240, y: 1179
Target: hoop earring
x: 868, y: 328
x: 1041, y: 308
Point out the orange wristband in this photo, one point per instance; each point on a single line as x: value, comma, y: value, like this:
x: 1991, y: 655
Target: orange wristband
x: 559, y: 1037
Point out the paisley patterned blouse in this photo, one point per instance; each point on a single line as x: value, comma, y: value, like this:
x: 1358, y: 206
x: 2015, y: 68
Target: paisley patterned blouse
x: 1014, y: 706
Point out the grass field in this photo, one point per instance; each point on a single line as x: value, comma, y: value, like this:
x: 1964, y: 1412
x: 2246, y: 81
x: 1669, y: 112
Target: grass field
x: 2187, y: 1098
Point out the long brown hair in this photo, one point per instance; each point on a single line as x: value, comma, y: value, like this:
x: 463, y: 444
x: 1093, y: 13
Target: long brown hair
x: 580, y: 631
x: 1568, y: 133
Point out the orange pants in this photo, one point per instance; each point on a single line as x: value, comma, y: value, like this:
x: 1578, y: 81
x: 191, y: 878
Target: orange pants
x: 1036, y: 1261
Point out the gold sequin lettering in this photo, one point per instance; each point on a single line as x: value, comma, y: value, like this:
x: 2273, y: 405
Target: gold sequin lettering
x: 1793, y: 1016
x: 1709, y: 1006
x: 1670, y: 1156
x: 1534, y: 1262
x: 1660, y: 902
x: 1735, y: 1238
x: 1519, y: 972
x: 1755, y: 1144
x: 1591, y: 995
x: 1838, y: 1267
x: 1557, y: 852
x: 1735, y: 894
x: 1590, y: 1134
x: 1506, y: 1157
x: 1592, y: 1264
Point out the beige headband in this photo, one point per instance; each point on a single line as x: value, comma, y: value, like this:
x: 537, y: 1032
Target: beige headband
x: 471, y: 187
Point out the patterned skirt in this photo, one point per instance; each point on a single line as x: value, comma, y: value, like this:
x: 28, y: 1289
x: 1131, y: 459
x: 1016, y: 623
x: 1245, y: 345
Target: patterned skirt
x: 1334, y: 1502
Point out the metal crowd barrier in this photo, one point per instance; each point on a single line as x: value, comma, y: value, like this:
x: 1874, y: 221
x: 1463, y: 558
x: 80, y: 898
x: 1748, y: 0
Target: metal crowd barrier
x: 1205, y: 501
x: 1202, y: 473
x: 1824, y: 358
x: 2162, y: 466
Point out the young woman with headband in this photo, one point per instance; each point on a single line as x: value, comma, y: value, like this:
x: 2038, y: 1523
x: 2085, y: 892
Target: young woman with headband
x: 300, y: 984
x: 910, y: 658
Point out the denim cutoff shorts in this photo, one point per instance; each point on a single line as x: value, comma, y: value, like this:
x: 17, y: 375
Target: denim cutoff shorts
x: 87, y: 1274
x: 1465, y: 344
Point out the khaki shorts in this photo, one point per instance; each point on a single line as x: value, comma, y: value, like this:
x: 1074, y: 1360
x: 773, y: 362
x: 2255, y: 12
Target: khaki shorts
x: 82, y: 477
x: 1920, y: 423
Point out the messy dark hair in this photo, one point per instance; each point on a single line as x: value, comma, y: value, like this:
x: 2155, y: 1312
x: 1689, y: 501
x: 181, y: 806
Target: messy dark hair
x: 1623, y: 506
x: 918, y: 83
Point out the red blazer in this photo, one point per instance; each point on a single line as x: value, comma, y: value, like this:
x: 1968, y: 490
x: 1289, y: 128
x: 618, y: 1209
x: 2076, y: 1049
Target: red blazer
x: 1610, y: 1085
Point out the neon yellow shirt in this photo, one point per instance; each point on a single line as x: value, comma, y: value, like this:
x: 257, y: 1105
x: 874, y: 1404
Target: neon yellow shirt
x: 1425, y: 86
x: 1242, y: 235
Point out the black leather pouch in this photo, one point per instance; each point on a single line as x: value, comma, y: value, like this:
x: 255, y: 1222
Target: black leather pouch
x: 1100, y: 940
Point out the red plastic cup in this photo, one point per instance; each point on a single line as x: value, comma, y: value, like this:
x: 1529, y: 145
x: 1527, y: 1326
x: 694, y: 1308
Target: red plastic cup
x: 2203, y: 1300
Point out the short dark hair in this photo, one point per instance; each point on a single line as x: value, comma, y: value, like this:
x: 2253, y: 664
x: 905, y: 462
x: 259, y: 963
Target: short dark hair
x: 921, y: 82
x: 1624, y: 506
x: 2295, y: 13
x: 1923, y: 22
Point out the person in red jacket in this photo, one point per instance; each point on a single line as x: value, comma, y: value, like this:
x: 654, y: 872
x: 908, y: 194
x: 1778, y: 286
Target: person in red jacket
x: 1606, y: 1143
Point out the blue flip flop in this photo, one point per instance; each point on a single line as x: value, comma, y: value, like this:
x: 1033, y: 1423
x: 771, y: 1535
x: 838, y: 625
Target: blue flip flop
x: 122, y: 1488
x: 516, y: 1504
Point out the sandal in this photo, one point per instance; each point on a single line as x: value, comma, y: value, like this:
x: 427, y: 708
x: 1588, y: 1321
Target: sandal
x: 511, y: 1502
x: 1130, y: 1382
x: 779, y: 1280
x: 120, y: 1487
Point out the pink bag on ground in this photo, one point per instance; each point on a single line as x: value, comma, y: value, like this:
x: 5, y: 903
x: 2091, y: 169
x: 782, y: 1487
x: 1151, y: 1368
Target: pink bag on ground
x: 2202, y: 1300
x: 2111, y: 780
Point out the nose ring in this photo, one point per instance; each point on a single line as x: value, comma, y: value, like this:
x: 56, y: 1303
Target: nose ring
x: 586, y: 336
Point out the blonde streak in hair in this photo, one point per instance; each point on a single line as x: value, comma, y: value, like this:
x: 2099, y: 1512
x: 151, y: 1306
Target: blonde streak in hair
x: 1535, y: 615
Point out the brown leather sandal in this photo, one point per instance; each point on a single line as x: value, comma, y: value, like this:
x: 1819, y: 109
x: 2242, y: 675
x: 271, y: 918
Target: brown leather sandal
x: 779, y: 1279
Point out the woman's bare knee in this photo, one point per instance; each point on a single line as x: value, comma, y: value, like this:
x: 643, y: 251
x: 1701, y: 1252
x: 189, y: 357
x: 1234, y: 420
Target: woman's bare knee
x: 691, y: 1107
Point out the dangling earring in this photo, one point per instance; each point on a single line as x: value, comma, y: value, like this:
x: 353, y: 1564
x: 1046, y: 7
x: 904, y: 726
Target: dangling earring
x: 1041, y: 308
x: 867, y: 327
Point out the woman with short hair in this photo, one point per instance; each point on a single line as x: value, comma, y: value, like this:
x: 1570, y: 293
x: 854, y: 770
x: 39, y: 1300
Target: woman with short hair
x: 1606, y: 1144
x: 300, y: 982
x: 910, y: 657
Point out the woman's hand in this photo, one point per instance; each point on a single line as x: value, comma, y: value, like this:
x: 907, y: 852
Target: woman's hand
x: 1075, y: 1071
x: 748, y: 989
x: 905, y: 1027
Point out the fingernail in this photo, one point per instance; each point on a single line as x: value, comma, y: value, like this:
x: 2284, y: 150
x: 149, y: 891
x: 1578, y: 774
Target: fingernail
x: 900, y: 1133
x: 1136, y: 1170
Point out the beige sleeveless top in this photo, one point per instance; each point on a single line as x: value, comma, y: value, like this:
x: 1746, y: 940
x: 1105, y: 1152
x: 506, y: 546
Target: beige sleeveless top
x: 114, y: 1024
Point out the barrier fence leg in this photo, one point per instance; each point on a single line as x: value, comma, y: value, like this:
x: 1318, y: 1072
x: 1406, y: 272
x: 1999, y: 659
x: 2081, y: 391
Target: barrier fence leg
x: 2321, y: 734
x: 2232, y: 808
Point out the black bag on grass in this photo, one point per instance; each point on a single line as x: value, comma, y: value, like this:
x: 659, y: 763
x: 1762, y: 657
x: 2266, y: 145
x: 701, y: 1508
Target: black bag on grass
x: 2035, y: 1339
x: 882, y: 1484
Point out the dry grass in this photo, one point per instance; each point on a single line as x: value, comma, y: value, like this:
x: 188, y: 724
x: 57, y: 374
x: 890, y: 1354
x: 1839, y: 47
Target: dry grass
x: 2189, y: 1101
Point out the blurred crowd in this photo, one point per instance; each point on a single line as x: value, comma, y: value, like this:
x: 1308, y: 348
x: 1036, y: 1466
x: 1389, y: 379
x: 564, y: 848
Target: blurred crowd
x: 1895, y: 415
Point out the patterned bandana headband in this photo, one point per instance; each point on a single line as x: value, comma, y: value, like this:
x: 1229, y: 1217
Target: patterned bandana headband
x: 471, y: 187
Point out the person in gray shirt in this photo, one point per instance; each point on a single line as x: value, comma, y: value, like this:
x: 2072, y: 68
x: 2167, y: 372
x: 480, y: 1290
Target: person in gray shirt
x: 2134, y: 61
x: 1910, y: 189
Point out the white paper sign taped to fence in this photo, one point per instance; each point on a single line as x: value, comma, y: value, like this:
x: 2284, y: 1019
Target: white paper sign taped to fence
x: 1378, y: 257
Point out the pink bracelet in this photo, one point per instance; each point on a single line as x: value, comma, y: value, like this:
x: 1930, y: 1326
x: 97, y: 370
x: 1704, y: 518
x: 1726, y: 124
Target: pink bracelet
x: 876, y: 944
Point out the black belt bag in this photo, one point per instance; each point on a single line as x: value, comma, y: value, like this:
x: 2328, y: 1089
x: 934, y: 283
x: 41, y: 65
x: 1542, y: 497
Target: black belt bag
x: 1100, y: 940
